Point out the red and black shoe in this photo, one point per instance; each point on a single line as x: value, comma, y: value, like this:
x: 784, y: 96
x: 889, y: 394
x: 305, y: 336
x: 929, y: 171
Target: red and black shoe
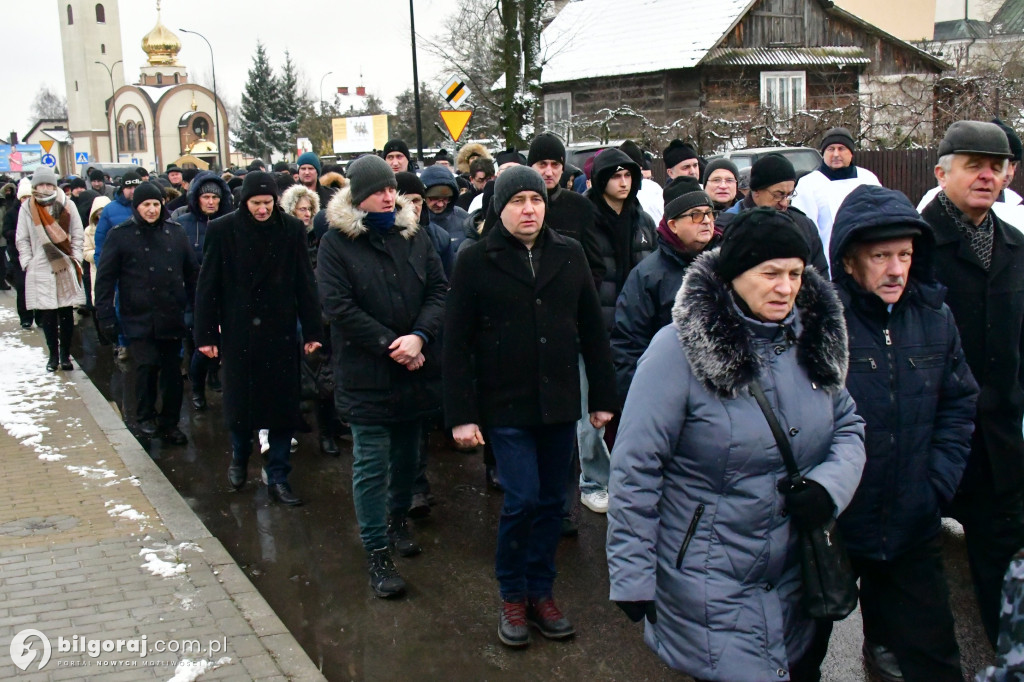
x: 512, y: 629
x: 544, y: 615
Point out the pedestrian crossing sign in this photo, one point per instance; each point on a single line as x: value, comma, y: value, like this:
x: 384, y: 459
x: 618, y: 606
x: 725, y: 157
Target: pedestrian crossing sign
x: 81, y: 158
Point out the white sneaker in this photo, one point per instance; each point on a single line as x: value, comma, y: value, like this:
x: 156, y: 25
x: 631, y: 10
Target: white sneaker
x: 596, y: 501
x: 264, y: 441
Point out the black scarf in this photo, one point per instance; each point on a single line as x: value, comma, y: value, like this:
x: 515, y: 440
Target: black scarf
x: 846, y: 173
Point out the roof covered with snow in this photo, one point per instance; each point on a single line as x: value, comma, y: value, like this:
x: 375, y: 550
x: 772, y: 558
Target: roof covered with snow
x: 591, y: 38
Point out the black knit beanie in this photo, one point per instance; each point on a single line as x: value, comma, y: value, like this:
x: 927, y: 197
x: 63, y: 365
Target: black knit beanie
x: 396, y: 145
x: 769, y: 170
x: 368, y: 174
x: 546, y: 147
x: 837, y: 136
x: 146, y: 191
x: 258, y: 183
x: 677, y: 152
x: 756, y: 236
x: 514, y: 180
x: 510, y: 155
x: 719, y: 164
x: 210, y: 187
x: 409, y: 183
x: 682, y: 194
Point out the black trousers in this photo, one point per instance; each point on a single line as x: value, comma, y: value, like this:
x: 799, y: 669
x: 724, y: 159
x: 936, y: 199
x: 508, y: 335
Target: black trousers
x: 58, y: 328
x: 87, y: 282
x: 157, y: 364
x: 905, y: 606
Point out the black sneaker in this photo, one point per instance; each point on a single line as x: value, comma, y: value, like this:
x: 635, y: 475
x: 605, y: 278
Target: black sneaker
x: 384, y: 578
x: 400, y: 538
x: 544, y: 615
x: 512, y: 629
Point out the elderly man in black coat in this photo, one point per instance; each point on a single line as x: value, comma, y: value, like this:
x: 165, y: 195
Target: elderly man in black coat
x: 148, y: 260
x: 980, y: 259
x: 914, y: 390
x: 522, y: 305
x: 256, y: 282
x: 382, y: 288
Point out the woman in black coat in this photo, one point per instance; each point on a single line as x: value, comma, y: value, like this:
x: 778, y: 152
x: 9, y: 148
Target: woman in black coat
x: 255, y: 283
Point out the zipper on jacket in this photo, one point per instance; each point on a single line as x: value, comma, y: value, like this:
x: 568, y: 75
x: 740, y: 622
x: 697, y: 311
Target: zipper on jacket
x: 888, y: 339
x: 925, y: 358
x: 870, y: 361
x: 689, y: 534
x: 529, y: 257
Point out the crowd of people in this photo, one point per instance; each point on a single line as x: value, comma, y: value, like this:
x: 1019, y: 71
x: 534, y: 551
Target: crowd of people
x: 589, y: 319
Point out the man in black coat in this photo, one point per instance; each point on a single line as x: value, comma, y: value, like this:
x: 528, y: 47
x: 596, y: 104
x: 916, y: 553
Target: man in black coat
x: 148, y: 261
x: 256, y: 281
x: 522, y: 301
x: 382, y: 288
x: 646, y: 302
x: 569, y: 214
x: 917, y: 396
x: 980, y: 259
x: 623, y: 235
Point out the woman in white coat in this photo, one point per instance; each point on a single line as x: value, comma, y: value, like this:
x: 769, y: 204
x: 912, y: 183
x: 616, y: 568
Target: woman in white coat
x: 50, y: 239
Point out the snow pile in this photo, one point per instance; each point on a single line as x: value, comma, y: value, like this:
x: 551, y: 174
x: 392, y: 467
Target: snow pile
x: 188, y: 670
x: 29, y: 392
x: 94, y: 473
x: 166, y: 561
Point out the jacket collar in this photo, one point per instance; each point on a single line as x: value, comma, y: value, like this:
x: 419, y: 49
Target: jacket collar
x: 348, y: 219
x: 720, y: 344
x: 946, y: 232
x: 501, y: 249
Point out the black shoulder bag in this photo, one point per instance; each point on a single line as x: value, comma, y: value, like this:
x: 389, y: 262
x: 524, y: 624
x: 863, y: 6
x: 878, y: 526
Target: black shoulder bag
x: 830, y: 587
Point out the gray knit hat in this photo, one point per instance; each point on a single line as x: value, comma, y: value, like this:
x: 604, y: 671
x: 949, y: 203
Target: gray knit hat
x: 368, y: 174
x: 43, y: 175
x: 512, y: 181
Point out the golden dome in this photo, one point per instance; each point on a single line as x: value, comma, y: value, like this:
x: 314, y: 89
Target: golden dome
x: 161, y: 45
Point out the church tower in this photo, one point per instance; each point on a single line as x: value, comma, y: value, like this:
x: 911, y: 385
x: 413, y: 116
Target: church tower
x: 90, y: 32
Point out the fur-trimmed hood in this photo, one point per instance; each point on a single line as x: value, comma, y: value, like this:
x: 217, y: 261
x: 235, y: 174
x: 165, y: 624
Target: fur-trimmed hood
x: 468, y: 150
x: 719, y: 342
x: 291, y: 196
x: 347, y: 219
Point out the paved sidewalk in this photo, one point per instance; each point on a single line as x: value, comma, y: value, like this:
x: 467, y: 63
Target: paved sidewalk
x: 96, y: 546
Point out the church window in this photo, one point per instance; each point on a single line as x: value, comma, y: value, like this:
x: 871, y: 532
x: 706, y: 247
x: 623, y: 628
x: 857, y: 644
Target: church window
x: 159, y: 79
x: 76, y: 86
x: 177, y: 79
x: 71, y: 16
x: 103, y: 48
x: 101, y: 14
x: 130, y: 134
x: 120, y: 136
x: 141, y: 131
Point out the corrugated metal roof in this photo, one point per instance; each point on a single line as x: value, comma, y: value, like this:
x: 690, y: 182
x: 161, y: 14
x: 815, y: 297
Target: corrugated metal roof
x: 786, y: 56
x: 1009, y: 18
x: 960, y: 29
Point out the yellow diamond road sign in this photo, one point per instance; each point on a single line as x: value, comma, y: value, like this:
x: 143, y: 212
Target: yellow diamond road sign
x: 455, y: 91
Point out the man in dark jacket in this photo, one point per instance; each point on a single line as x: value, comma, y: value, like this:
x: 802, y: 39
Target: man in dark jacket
x: 645, y: 304
x: 917, y: 396
x: 256, y: 281
x: 441, y: 192
x: 149, y: 262
x: 568, y: 213
x: 382, y: 289
x: 97, y: 181
x: 522, y: 301
x: 623, y: 235
x: 116, y: 212
x: 980, y: 259
x: 772, y: 184
x: 309, y: 176
x: 208, y: 198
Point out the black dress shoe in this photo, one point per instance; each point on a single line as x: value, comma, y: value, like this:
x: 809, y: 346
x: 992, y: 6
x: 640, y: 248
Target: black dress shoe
x: 173, y: 435
x: 147, y: 429
x: 26, y: 325
x: 282, y: 494
x: 236, y: 475
x: 881, y: 662
x: 199, y: 402
x: 329, y: 447
x: 52, y: 364
x: 65, y: 364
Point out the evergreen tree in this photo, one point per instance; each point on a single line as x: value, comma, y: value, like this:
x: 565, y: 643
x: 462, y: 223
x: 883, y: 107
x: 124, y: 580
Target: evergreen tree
x: 259, y: 129
x: 290, y: 105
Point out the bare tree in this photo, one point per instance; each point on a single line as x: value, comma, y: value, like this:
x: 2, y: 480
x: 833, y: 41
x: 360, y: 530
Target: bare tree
x: 49, y: 105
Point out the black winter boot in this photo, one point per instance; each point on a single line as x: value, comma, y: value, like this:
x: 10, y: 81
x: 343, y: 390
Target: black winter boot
x: 384, y: 577
x: 400, y: 537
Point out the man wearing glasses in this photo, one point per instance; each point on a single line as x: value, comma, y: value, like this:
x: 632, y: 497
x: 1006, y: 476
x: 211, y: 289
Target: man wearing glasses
x: 645, y: 304
x: 772, y: 184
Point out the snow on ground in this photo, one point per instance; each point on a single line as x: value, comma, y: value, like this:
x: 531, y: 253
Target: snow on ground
x: 188, y: 670
x: 166, y: 561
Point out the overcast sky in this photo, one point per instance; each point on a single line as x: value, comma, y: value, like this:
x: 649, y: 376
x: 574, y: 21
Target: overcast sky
x: 346, y: 37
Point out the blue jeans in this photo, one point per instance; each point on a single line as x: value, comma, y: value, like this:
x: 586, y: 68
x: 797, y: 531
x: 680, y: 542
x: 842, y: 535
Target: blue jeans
x: 278, y: 457
x: 384, y: 467
x: 533, y: 464
x: 595, y: 460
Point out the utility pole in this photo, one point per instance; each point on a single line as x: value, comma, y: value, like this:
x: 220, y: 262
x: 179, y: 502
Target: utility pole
x: 416, y: 85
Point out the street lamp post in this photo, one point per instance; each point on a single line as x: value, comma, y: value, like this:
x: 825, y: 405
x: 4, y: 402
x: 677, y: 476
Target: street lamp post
x: 416, y: 85
x: 216, y: 102
x: 115, y: 148
x: 322, y: 91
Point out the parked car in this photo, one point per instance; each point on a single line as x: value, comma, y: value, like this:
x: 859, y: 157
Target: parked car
x: 804, y: 159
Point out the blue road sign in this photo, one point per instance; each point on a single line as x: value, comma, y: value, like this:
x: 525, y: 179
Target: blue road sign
x: 81, y: 158
x: 49, y: 160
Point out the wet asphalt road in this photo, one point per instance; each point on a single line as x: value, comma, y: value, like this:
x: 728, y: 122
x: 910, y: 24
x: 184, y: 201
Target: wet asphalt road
x: 308, y: 564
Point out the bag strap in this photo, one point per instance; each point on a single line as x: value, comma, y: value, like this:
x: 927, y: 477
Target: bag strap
x: 780, y: 436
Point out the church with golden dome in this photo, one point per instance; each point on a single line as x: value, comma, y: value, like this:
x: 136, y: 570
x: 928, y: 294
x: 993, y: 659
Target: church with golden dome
x: 155, y: 121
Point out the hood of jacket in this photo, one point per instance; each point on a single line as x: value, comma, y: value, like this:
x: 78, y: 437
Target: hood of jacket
x: 203, y: 177
x: 439, y: 175
x: 870, y: 206
x: 720, y: 344
x: 468, y: 150
x: 348, y: 219
x: 604, y: 168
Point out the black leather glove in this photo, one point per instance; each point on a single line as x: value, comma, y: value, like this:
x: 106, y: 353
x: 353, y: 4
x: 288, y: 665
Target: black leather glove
x: 809, y: 505
x: 636, y: 610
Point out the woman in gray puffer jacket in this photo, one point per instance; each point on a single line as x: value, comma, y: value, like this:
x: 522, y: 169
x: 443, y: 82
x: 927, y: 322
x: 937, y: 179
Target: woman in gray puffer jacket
x: 701, y: 535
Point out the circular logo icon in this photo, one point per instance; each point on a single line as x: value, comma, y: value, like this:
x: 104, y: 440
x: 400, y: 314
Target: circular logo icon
x: 23, y: 653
